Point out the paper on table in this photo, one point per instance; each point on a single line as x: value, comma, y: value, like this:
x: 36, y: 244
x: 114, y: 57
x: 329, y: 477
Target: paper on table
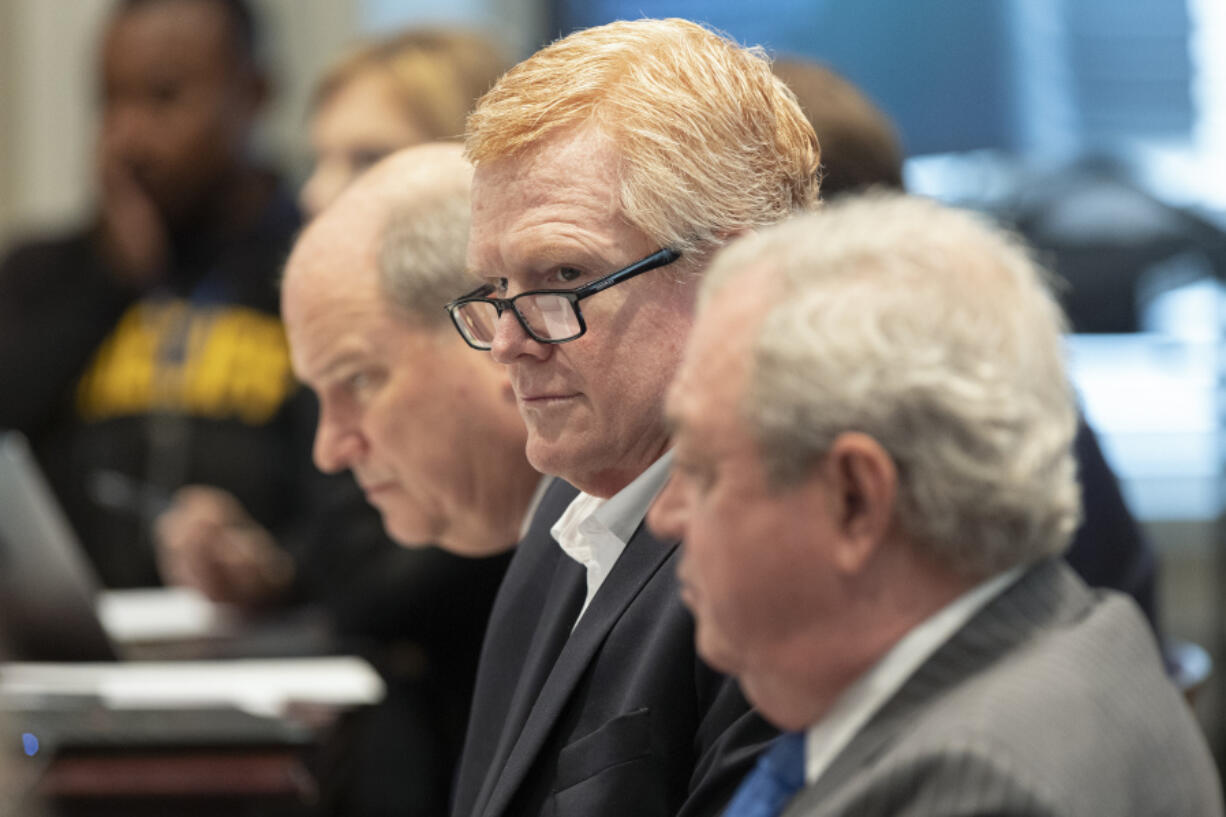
x: 161, y: 614
x: 260, y: 686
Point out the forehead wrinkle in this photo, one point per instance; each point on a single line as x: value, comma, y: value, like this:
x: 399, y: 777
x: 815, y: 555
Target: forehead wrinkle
x: 544, y: 159
x: 325, y: 324
x: 718, y: 363
x: 330, y: 274
x: 343, y: 354
x: 539, y: 239
x: 555, y: 191
x: 563, y: 246
x: 547, y: 194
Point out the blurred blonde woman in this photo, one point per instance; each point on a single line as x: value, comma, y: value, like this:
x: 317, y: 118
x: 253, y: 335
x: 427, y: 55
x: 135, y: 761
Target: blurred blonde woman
x: 413, y: 87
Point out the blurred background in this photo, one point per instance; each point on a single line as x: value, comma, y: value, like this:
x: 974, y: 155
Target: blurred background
x: 1095, y: 128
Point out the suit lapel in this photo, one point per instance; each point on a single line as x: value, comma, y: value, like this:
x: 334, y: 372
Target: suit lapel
x: 1047, y: 593
x: 642, y: 558
x: 546, y: 565
x: 568, y: 589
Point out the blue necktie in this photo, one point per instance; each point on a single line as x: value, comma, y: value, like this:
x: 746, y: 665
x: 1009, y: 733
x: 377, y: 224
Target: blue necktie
x: 780, y: 773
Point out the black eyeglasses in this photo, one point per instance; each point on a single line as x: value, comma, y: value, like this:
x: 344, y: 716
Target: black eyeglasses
x: 547, y: 315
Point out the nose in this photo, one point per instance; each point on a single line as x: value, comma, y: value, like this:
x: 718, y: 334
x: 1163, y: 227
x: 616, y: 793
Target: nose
x: 338, y: 445
x: 512, y: 341
x: 125, y: 129
x: 668, y: 514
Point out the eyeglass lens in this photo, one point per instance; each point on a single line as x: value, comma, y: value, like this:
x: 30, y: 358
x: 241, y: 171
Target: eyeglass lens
x: 479, y: 319
x: 550, y: 317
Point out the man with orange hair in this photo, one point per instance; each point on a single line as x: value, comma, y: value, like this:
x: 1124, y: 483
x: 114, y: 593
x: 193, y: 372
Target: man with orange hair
x: 609, y: 167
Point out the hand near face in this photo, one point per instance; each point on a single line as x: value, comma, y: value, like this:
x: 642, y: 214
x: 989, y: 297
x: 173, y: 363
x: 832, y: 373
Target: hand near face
x: 133, y: 232
x: 206, y: 541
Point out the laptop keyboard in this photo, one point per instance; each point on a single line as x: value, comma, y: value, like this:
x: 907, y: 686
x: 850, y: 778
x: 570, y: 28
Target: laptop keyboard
x: 98, y: 727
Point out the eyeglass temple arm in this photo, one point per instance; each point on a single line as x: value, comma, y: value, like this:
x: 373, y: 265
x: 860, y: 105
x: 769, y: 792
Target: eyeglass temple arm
x: 656, y: 259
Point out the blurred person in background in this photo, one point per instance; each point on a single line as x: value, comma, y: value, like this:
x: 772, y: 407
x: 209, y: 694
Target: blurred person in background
x: 412, y: 87
x: 424, y: 607
x: 862, y: 150
x: 390, y: 93
x: 861, y: 147
x: 431, y: 432
x: 386, y: 94
x: 145, y: 358
x: 144, y: 352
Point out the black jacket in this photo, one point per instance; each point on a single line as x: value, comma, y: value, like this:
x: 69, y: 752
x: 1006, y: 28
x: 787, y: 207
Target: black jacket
x: 619, y: 717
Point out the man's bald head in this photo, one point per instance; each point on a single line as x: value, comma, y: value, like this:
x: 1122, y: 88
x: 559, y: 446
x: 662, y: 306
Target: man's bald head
x: 363, y: 307
x: 406, y: 221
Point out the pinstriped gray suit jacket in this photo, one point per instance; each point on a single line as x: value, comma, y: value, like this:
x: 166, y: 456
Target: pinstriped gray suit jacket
x: 1051, y: 701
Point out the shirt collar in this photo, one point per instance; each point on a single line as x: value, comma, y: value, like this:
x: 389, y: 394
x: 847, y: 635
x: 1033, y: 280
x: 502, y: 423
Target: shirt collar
x: 859, y: 702
x: 623, y: 512
x: 595, y: 531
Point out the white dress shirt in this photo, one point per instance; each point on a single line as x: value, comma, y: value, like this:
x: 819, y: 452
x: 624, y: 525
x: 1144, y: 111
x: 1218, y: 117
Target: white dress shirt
x: 853, y: 709
x: 595, y: 531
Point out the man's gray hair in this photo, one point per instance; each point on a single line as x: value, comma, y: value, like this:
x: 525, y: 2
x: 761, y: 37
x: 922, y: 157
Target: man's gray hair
x: 935, y: 334
x: 421, y: 259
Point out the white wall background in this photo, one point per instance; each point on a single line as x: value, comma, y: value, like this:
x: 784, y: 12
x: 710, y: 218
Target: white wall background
x: 48, y: 92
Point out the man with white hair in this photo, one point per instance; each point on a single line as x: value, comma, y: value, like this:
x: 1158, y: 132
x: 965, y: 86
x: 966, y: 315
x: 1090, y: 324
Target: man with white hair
x: 609, y: 167
x: 432, y: 435
x: 429, y: 430
x: 874, y: 481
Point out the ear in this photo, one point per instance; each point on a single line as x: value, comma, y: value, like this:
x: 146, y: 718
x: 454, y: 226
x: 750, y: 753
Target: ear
x: 863, y: 483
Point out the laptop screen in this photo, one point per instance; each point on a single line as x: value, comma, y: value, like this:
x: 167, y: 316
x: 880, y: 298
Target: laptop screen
x: 47, y: 588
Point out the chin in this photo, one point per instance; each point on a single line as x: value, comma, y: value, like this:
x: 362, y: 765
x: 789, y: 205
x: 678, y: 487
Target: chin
x: 411, y: 541
x: 785, y: 705
x: 550, y: 458
x: 714, y: 650
x: 758, y: 695
x: 411, y: 534
x: 475, y: 551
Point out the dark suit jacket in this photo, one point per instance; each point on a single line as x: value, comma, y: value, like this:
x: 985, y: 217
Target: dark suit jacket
x: 1050, y: 702
x: 619, y: 717
x: 1109, y: 549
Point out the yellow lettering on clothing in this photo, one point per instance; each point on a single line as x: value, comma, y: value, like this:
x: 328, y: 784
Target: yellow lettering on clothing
x: 215, y: 362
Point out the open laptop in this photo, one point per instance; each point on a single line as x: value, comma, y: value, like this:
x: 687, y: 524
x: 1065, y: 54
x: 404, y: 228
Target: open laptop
x: 52, y: 607
x: 49, y: 602
x: 48, y: 590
